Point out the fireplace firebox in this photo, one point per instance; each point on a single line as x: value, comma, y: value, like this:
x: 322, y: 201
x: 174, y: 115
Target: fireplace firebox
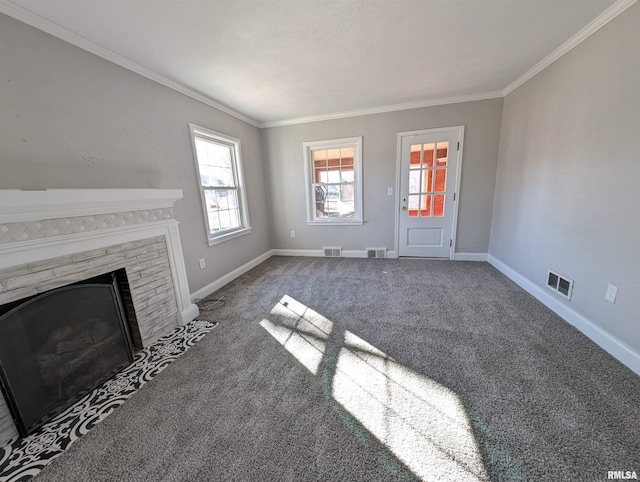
x: 57, y: 346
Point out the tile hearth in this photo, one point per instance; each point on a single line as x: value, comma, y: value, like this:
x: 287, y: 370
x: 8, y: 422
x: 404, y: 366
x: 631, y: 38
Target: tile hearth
x: 23, y: 458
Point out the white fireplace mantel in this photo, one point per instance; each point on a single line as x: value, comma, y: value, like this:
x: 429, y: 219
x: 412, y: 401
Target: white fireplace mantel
x: 27, y: 206
x: 18, y: 205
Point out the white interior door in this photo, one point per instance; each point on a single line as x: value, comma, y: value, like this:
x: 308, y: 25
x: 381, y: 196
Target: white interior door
x: 430, y: 161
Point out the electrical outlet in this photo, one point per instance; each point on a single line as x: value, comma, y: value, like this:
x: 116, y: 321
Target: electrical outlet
x: 203, y: 263
x: 293, y: 234
x: 612, y: 291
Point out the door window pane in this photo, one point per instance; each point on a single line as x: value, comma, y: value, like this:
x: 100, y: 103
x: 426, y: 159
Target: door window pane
x: 442, y: 154
x: 438, y: 205
x: 441, y: 180
x: 414, y: 203
x: 427, y: 176
x: 414, y: 158
x: 414, y: 181
x: 428, y: 154
x: 425, y: 205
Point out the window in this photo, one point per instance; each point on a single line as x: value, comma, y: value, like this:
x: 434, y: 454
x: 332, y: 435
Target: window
x: 219, y: 166
x: 334, y: 182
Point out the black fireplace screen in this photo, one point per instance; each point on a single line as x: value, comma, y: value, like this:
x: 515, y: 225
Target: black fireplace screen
x: 57, y: 346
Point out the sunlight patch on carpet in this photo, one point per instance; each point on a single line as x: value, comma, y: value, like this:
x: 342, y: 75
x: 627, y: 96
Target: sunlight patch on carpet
x: 421, y: 422
x: 301, y: 330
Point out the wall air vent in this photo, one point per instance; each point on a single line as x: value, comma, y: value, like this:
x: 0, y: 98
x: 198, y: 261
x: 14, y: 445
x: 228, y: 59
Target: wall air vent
x: 560, y: 284
x: 376, y: 252
x: 333, y: 252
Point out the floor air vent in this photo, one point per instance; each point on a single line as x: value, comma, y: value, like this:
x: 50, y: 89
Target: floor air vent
x: 376, y: 252
x: 560, y: 283
x: 333, y: 252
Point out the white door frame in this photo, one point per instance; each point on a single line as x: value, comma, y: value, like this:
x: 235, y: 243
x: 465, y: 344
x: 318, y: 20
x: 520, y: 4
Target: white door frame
x: 401, y: 135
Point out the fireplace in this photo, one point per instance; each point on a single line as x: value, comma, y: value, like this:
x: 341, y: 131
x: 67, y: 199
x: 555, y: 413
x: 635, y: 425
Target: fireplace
x: 54, y: 239
x: 57, y: 346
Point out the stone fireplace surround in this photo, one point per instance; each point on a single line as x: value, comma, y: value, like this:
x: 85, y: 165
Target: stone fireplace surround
x: 52, y: 238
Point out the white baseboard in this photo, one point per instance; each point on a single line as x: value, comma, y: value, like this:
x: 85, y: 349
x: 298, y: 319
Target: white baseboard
x: 362, y: 253
x: 615, y: 347
x: 354, y: 253
x: 297, y: 252
x: 346, y: 253
x: 189, y: 314
x: 470, y: 256
x: 229, y: 277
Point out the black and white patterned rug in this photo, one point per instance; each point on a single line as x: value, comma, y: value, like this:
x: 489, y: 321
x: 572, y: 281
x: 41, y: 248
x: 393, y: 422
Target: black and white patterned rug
x: 23, y: 458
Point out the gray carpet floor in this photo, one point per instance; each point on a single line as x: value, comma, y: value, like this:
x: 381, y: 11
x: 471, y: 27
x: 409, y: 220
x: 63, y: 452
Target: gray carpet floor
x: 355, y: 369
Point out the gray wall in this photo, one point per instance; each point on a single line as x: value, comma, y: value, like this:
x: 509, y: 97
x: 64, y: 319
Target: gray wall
x: 284, y: 165
x: 69, y: 119
x: 567, y: 194
x: 566, y: 190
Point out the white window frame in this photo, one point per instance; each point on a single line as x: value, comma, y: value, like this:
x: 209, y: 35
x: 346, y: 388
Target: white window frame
x: 234, y: 143
x: 309, y: 147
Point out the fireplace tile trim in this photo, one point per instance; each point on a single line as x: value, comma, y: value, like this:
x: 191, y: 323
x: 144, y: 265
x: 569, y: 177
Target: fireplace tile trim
x: 20, y: 206
x: 46, y: 228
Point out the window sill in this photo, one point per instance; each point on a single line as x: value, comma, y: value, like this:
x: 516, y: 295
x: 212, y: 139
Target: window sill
x: 227, y: 236
x: 336, y: 222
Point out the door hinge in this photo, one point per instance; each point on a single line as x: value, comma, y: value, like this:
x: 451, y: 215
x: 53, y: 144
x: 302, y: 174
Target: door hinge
x: 450, y: 242
x: 454, y: 196
x: 458, y: 145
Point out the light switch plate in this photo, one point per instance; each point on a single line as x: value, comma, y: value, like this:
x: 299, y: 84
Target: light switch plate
x: 612, y: 291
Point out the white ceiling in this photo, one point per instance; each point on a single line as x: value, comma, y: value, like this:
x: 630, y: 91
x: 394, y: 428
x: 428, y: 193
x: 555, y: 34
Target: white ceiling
x: 277, y: 60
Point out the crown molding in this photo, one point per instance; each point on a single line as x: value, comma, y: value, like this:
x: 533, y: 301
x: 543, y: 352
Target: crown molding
x: 383, y: 109
x: 9, y: 8
x: 600, y: 21
x: 19, y: 13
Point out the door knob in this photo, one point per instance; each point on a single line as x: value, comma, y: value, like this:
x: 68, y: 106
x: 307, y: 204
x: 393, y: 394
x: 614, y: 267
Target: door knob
x: 404, y: 208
